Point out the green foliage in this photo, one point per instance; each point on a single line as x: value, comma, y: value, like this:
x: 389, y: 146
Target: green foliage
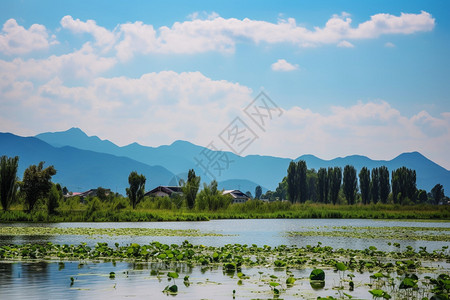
x: 403, y: 185
x: 8, y: 180
x: 54, y: 196
x: 190, y: 188
x: 437, y: 193
x: 384, y: 184
x: 364, y: 185
x: 349, y: 184
x: 322, y: 185
x: 258, y: 192
x: 375, y: 185
x: 296, y: 182
x: 210, y: 198
x: 317, y: 274
x: 136, y: 190
x: 335, y: 179
x: 36, y: 183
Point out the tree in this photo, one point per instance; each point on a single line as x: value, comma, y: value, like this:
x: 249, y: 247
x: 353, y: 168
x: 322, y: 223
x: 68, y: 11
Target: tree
x: 322, y: 185
x: 258, y: 192
x: 301, y: 181
x: 311, y: 178
x: 422, y: 196
x: 437, y: 193
x: 375, y: 185
x: 385, y: 187
x: 8, y: 180
x: 54, y: 196
x: 335, y: 176
x: 349, y: 185
x: 136, y: 190
x: 210, y: 198
x: 403, y: 185
x: 292, y: 186
x: 36, y: 183
x: 364, y: 185
x: 190, y: 188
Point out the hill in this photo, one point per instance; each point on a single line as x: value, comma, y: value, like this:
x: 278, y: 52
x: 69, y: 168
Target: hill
x: 251, y: 170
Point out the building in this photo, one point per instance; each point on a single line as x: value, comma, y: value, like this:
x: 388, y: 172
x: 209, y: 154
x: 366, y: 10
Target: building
x: 163, y: 191
x: 237, y: 195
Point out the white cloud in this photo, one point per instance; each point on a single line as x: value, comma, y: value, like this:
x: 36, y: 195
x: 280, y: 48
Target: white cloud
x: 16, y: 40
x: 345, y: 44
x: 103, y: 37
x: 214, y: 33
x: 283, y: 66
x: 83, y: 63
x: 375, y: 129
x: 389, y: 45
x: 164, y: 106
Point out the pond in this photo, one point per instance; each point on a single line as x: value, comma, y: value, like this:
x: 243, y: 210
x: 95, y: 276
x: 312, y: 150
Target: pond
x: 92, y: 279
x: 272, y: 232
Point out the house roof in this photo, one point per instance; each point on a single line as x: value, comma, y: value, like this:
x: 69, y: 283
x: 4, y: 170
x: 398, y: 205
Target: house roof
x: 235, y: 194
x: 165, y: 189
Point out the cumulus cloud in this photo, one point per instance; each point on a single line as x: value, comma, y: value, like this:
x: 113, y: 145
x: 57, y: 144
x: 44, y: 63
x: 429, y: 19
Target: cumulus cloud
x: 283, y: 66
x: 103, y: 37
x: 375, y: 129
x: 345, y: 44
x: 215, y: 33
x: 16, y: 40
x: 83, y: 63
x: 164, y: 106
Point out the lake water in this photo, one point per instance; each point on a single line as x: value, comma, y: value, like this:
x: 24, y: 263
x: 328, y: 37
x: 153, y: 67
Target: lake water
x: 52, y: 280
x: 272, y: 232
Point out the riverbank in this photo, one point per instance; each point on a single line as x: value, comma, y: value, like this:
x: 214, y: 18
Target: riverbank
x: 251, y: 210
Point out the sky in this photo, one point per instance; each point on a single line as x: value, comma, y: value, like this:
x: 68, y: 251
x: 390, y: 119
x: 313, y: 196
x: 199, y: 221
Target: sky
x: 337, y: 77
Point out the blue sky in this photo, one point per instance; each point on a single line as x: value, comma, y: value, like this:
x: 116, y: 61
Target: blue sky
x: 350, y: 78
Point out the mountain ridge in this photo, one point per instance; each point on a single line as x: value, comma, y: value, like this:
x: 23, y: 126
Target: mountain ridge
x: 267, y: 171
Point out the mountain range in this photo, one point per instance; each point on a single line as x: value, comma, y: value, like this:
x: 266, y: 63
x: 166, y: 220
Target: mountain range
x: 85, y: 162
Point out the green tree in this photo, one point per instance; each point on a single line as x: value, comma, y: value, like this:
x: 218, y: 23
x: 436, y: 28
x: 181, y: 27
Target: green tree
x: 403, y: 185
x: 364, y: 185
x: 8, y: 180
x: 101, y: 194
x: 422, y: 196
x: 437, y: 193
x: 136, y: 190
x: 36, y: 183
x: 375, y: 185
x: 301, y: 181
x: 349, y: 184
x: 210, y: 198
x: 335, y: 176
x: 190, y: 188
x: 322, y: 185
x: 385, y: 187
x: 291, y: 181
x: 258, y: 192
x: 54, y: 196
x: 311, y: 178
x: 281, y: 190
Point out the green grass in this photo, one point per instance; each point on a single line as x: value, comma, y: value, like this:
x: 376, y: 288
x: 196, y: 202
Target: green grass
x: 249, y: 210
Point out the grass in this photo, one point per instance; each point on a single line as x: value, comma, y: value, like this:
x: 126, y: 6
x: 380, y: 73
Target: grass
x: 249, y: 210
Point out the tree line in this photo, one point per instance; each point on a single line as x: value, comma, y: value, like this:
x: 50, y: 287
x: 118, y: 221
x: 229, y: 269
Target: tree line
x: 37, y: 187
x: 334, y: 185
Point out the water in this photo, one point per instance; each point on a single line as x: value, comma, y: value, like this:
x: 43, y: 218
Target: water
x: 52, y: 279
x: 272, y: 232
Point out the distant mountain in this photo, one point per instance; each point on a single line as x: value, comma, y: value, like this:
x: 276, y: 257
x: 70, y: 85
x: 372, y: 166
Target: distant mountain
x: 178, y: 158
x: 266, y: 171
x: 78, y: 169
